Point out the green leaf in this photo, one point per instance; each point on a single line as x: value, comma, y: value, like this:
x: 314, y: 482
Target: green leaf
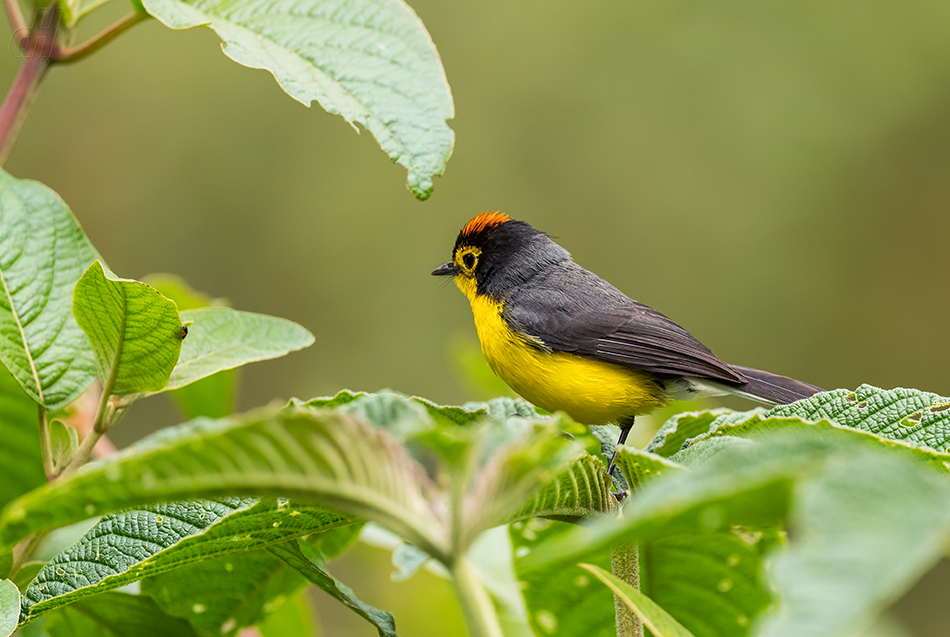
x: 710, y: 582
x: 558, y: 598
x: 43, y: 252
x: 640, y: 467
x: 580, y: 492
x: 9, y: 607
x: 185, y: 297
x: 653, y: 617
x: 370, y: 61
x: 310, y: 564
x: 214, y: 395
x: 21, y: 467
x: 135, y: 332
x: 220, y: 338
x: 27, y: 573
x: 863, y: 531
x: 674, y: 433
x: 116, y: 615
x: 918, y: 418
x: 337, y: 460
x: 75, y: 10
x: 219, y: 597
x: 64, y: 441
x: 294, y: 619
x: 128, y: 546
x: 407, y: 559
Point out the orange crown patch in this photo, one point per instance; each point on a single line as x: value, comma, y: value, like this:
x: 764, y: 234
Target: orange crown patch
x: 481, y: 222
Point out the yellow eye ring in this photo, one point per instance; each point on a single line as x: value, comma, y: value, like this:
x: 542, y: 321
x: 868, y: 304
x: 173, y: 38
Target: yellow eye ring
x: 467, y: 259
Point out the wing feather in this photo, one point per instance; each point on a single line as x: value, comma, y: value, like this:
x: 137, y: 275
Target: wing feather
x: 570, y: 309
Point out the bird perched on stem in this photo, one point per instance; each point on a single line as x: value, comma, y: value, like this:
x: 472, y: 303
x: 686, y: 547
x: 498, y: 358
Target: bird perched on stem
x: 567, y: 340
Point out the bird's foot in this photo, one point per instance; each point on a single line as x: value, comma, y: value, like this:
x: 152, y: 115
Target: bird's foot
x: 619, y: 495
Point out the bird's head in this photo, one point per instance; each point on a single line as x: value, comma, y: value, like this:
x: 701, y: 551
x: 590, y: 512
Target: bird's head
x: 494, y: 253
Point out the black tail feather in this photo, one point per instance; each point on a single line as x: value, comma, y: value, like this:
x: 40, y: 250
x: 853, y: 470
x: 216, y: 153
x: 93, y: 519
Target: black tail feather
x: 772, y: 387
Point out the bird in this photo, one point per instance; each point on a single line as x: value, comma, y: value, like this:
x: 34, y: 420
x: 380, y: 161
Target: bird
x: 567, y: 340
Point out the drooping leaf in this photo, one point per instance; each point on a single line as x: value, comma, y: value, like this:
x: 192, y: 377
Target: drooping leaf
x: 9, y: 607
x: 220, y: 338
x: 370, y: 61
x: 660, y: 623
x: 43, y: 252
x: 221, y: 596
x: 128, y: 546
x: 116, y: 615
x: 338, y: 461
x: 309, y: 563
x: 640, y: 467
x: 135, y: 332
x: 21, y: 467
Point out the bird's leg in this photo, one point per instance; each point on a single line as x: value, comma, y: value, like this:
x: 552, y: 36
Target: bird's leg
x: 625, y: 428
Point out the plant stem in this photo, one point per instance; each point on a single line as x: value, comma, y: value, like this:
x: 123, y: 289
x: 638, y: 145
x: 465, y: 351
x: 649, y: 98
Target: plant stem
x: 45, y: 449
x: 15, y: 16
x: 473, y: 598
x: 74, y: 54
x: 625, y: 564
x: 18, y: 100
x: 105, y: 417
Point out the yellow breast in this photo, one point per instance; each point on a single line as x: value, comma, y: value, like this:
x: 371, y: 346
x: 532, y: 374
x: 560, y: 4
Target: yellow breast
x: 591, y: 392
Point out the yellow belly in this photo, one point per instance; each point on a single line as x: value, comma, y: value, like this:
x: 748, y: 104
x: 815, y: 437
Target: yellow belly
x: 591, y: 392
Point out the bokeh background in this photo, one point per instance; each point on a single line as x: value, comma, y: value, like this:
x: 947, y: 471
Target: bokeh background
x: 774, y: 176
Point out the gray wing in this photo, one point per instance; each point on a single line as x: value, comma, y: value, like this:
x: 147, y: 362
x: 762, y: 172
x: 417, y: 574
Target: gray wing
x: 572, y: 310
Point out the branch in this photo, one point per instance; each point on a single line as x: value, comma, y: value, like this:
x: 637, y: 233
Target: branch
x: 74, y: 54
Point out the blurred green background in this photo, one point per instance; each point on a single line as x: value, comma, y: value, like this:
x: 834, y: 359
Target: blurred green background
x: 774, y: 176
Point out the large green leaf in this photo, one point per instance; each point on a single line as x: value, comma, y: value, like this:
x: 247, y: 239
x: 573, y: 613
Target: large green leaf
x: 582, y: 491
x: 309, y: 563
x: 21, y: 467
x: 660, y: 623
x: 337, y: 460
x: 43, y: 252
x: 220, y: 338
x: 863, y: 531
x: 127, y: 546
x: 370, y: 61
x: 116, y: 615
x: 219, y: 597
x: 135, y: 332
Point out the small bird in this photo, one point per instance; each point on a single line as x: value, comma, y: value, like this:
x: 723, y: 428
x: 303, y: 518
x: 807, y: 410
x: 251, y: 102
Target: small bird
x: 567, y: 340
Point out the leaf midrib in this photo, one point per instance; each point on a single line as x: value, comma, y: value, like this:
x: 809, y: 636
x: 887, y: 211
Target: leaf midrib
x: 26, y: 346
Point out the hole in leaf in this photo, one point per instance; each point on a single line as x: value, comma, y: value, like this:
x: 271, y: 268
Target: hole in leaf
x: 939, y: 407
x: 863, y: 404
x: 851, y: 398
x: 911, y: 420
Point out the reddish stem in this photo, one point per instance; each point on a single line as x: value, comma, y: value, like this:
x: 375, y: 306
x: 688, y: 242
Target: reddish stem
x: 39, y: 46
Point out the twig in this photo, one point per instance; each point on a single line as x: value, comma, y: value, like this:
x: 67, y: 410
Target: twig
x: 68, y: 55
x: 17, y: 23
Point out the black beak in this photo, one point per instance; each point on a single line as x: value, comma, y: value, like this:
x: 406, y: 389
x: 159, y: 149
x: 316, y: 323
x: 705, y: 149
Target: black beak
x: 446, y: 269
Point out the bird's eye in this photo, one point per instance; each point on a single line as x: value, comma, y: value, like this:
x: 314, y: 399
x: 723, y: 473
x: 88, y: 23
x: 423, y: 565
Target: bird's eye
x: 468, y: 260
